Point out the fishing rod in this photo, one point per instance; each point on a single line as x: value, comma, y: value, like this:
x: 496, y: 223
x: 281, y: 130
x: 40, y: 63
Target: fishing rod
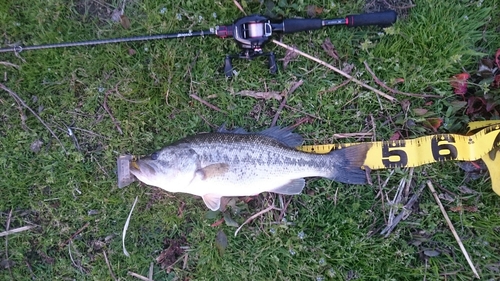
x: 251, y: 33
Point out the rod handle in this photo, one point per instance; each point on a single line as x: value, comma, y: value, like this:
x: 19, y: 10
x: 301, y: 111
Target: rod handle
x: 379, y: 18
x: 297, y: 25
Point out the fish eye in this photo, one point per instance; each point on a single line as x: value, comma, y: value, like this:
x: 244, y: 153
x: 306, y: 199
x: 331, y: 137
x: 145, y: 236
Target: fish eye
x: 154, y: 156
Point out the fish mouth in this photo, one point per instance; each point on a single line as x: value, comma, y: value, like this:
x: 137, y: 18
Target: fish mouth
x: 142, y: 168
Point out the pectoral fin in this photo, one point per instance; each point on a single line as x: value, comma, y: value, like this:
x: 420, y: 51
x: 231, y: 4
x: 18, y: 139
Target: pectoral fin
x: 212, y: 201
x: 293, y: 187
x: 212, y: 170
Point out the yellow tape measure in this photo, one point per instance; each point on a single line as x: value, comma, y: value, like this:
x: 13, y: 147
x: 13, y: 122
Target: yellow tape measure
x: 483, y: 144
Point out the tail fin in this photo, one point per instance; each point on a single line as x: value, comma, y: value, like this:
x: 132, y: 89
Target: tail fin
x: 350, y: 160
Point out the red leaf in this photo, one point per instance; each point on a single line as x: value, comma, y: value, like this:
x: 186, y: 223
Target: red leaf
x: 459, y: 83
x: 433, y: 123
x: 475, y: 104
x: 496, y: 81
x: 490, y: 105
x: 395, y: 136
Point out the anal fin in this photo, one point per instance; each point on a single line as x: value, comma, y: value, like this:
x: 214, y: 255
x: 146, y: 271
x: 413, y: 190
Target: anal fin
x: 295, y: 186
x: 212, y: 201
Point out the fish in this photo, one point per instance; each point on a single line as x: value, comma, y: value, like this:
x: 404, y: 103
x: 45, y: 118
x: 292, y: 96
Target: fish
x: 233, y: 163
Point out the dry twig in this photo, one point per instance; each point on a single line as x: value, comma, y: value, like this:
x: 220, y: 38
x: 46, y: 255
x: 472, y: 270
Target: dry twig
x: 305, y: 113
x: 405, y: 212
x: 394, y: 91
x: 138, y: 276
x: 239, y: 7
x: 105, y: 105
x: 196, y: 97
x: 76, y: 264
x: 150, y: 273
x: 336, y: 87
x: 9, y: 64
x: 272, y: 207
x: 392, y: 99
x: 453, y: 231
x: 16, y: 230
x: 7, y: 227
x: 74, y: 235
x: 285, y: 98
x: 109, y: 265
x: 19, y: 100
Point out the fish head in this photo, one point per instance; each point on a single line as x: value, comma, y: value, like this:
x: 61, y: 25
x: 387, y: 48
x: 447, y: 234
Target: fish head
x: 172, y: 168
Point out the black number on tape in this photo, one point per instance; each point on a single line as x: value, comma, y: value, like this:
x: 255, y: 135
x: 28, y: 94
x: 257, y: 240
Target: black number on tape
x: 389, y: 148
x: 443, y: 151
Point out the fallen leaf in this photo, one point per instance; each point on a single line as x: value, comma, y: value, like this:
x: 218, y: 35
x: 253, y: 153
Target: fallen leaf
x: 471, y: 209
x: 446, y: 197
x: 475, y: 104
x: 229, y: 220
x: 217, y: 223
x: 314, y: 11
x: 485, y: 68
x: 473, y: 166
x: 405, y: 104
x: 125, y: 22
x: 420, y: 111
x: 211, y: 215
x: 6, y: 264
x: 433, y: 123
x: 496, y: 81
x: 116, y: 15
x: 395, y: 136
x: 432, y: 253
x: 459, y: 83
x: 330, y: 49
x: 221, y: 242
x: 172, y: 251
x: 457, y: 104
x: 261, y: 95
x: 490, y: 105
x: 290, y: 55
x: 36, y: 146
x: 347, y: 67
x: 464, y: 189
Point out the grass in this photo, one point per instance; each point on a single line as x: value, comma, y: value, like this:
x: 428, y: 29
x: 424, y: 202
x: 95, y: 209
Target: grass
x: 331, y: 232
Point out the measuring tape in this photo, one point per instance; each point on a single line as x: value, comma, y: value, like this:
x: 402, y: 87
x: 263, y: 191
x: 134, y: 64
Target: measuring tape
x: 482, y: 141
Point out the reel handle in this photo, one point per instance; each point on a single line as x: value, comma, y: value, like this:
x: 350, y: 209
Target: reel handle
x: 380, y: 18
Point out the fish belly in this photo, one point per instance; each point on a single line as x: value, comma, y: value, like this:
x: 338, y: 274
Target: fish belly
x: 242, y: 180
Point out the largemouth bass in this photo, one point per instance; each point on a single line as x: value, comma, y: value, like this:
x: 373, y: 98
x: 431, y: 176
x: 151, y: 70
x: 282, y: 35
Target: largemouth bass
x: 238, y: 163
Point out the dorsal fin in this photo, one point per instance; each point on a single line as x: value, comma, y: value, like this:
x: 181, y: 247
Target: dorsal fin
x: 283, y: 135
x: 237, y: 130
